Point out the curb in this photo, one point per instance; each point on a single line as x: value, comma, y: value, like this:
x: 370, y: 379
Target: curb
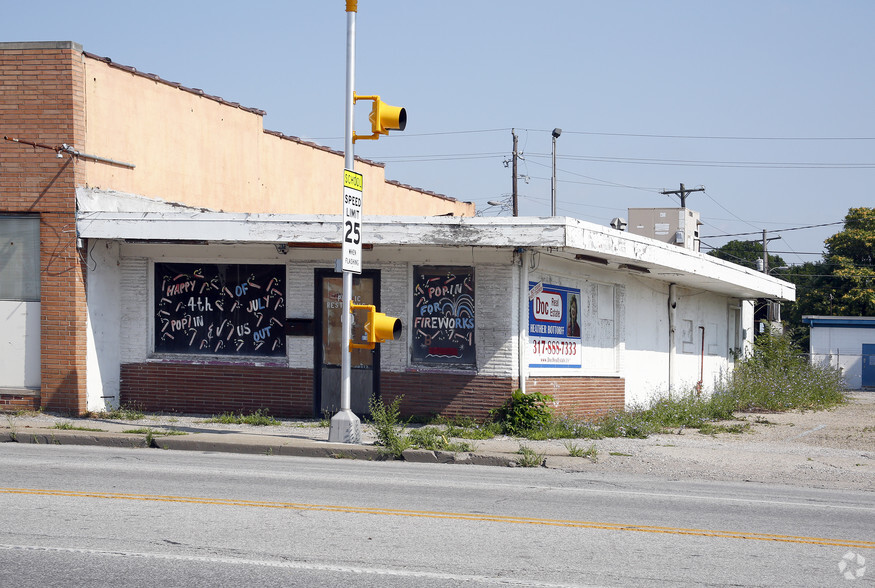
x: 207, y: 442
x: 253, y: 445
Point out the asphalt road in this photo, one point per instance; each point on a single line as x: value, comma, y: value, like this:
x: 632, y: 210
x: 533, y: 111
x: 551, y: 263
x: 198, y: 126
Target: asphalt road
x: 79, y: 516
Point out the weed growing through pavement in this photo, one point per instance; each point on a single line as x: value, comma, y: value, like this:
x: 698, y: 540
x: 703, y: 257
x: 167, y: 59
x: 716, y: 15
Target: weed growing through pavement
x: 574, y: 450
x: 390, y: 430
x: 529, y: 458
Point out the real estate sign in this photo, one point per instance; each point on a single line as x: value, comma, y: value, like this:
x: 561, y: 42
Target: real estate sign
x: 554, y: 327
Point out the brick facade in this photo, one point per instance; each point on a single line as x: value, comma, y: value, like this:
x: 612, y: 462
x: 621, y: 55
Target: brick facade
x: 42, y: 93
x: 583, y: 397
x: 284, y: 392
x: 211, y: 389
x: 428, y: 394
x: 16, y: 402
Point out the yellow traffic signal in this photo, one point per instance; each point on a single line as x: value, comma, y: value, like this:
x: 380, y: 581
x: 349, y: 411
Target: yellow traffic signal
x: 379, y: 327
x: 384, y: 118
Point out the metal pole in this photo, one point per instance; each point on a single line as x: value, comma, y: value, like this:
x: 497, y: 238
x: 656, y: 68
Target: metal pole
x: 345, y: 425
x: 556, y: 133
x: 514, y: 196
x: 553, y: 182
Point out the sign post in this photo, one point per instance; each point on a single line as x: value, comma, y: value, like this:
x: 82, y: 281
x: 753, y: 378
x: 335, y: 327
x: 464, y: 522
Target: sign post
x: 345, y: 426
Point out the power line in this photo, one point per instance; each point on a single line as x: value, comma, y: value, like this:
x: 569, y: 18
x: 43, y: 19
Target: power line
x: 774, y: 230
x: 713, y: 163
x: 721, y: 138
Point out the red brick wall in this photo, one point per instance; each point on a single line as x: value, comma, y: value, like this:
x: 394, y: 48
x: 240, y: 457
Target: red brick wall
x: 581, y: 398
x: 16, y: 402
x: 42, y: 93
x: 211, y: 389
x: 429, y: 394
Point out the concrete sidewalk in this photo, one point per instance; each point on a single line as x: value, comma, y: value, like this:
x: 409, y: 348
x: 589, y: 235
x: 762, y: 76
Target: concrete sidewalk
x: 185, y: 433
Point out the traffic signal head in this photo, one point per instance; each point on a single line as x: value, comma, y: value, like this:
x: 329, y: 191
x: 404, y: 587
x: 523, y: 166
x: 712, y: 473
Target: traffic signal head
x: 385, y: 117
x: 382, y: 327
x: 379, y: 327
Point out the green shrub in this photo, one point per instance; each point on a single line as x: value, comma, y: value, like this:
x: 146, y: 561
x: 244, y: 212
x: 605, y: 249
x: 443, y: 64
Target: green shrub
x: 523, y: 412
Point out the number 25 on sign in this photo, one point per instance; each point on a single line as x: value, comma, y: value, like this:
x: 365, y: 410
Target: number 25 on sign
x: 352, y: 222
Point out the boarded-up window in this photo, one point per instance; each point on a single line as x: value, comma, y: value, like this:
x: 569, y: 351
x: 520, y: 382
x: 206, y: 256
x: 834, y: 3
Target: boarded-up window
x: 220, y: 309
x: 443, y: 315
x: 19, y: 258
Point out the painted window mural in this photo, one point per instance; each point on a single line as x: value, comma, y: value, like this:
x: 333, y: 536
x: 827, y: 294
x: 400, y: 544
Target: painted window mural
x: 443, y: 315
x: 220, y: 309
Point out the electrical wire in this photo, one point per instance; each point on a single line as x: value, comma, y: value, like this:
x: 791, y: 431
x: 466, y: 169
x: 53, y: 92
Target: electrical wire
x: 719, y: 138
x: 776, y: 230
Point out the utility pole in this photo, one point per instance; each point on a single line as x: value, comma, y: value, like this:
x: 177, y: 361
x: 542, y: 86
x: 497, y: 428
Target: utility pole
x: 514, y: 195
x: 765, y: 250
x: 683, y: 193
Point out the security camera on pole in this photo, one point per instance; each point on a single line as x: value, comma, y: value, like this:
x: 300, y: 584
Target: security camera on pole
x: 345, y: 425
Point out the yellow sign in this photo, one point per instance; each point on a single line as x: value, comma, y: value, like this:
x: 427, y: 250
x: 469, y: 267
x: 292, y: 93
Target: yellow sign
x: 352, y: 180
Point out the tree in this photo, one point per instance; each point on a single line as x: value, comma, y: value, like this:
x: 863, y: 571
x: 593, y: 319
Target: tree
x: 851, y: 252
x: 745, y: 253
x: 843, y: 284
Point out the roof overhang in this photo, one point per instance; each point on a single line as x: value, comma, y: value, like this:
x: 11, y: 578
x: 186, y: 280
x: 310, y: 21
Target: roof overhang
x: 579, y: 241
x: 846, y: 322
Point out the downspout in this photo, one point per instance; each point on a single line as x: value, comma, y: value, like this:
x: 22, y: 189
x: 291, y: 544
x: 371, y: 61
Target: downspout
x: 672, y: 347
x: 524, y: 318
x: 701, y: 365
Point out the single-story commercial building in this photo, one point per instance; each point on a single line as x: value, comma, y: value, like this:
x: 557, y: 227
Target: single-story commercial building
x: 845, y: 342
x: 169, y: 253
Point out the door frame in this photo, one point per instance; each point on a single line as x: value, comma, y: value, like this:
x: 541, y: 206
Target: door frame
x: 318, y: 275
x: 867, y: 349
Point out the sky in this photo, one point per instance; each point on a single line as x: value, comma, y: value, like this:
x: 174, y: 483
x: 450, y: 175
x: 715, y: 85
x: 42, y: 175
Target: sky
x: 768, y: 104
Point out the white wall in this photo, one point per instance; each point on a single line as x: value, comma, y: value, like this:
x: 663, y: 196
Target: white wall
x: 20, y: 344
x: 842, y: 348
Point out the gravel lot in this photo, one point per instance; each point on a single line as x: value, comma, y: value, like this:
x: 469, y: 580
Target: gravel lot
x: 824, y: 449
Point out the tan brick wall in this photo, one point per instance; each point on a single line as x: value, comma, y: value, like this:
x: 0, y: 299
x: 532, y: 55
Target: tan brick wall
x: 42, y: 90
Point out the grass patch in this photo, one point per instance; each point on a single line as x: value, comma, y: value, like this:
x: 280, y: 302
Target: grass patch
x: 68, y: 426
x: 435, y: 439
x: 714, y: 429
x: 620, y: 454
x: 259, y: 418
x: 775, y: 377
x: 154, y: 433
x: 122, y: 413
